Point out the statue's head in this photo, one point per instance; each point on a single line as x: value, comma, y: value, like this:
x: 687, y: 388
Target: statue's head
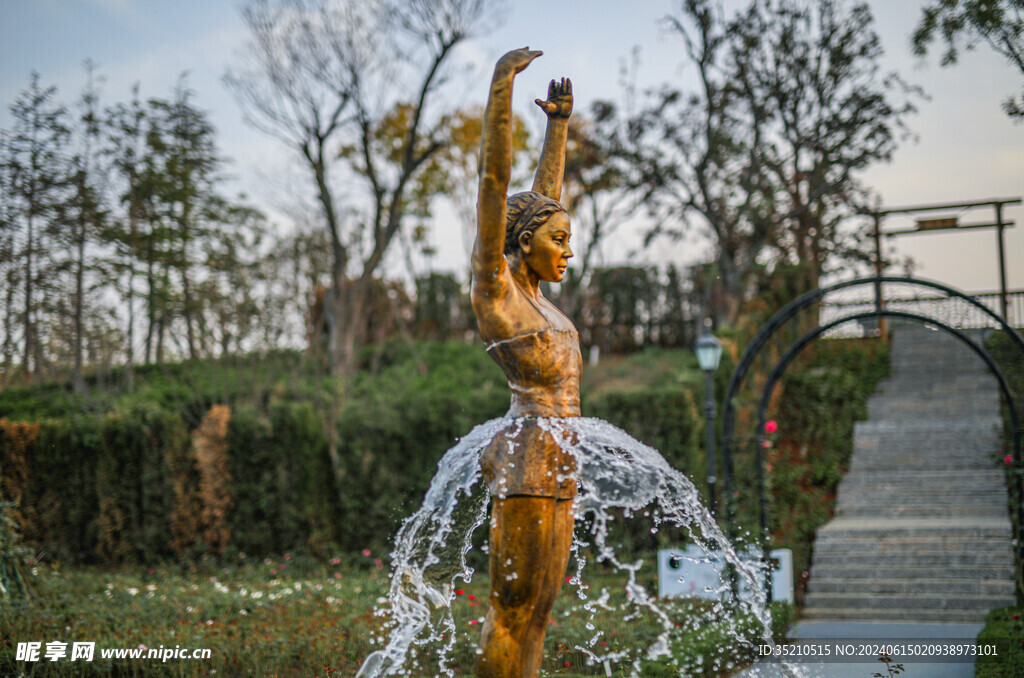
x: 537, y: 230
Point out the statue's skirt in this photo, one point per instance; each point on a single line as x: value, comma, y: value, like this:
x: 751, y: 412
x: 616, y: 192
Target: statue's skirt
x: 524, y: 459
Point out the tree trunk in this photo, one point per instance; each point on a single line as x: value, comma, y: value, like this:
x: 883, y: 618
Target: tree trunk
x: 130, y: 367
x: 162, y: 322
x: 77, y: 380
x: 160, y: 339
x: 186, y: 284
x: 9, y: 322
x: 29, y: 329
x: 151, y: 299
x: 345, y: 336
x: 187, y: 312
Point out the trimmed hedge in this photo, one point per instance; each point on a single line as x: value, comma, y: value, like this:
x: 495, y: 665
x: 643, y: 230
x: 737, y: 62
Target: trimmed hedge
x: 311, y: 466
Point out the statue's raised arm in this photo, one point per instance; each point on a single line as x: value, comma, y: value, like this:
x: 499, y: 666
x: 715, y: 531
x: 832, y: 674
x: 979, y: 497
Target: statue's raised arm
x: 489, y: 264
x: 551, y: 169
x: 521, y: 240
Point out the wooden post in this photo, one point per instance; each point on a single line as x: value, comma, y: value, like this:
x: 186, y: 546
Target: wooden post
x: 1002, y: 260
x: 883, y: 328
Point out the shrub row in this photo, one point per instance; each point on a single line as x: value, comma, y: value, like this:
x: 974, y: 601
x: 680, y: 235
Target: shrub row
x: 300, y: 464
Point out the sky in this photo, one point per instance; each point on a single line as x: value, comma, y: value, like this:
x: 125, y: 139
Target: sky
x: 966, y: 149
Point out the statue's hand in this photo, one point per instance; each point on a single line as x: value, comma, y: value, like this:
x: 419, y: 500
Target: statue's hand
x: 515, y: 61
x: 559, y: 103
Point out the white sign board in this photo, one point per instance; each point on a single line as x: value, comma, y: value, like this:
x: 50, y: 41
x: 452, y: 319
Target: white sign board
x: 692, y: 572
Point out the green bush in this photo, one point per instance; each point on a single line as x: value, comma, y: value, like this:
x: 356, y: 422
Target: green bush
x: 315, y: 467
x: 1010, y: 360
x: 1004, y: 628
x: 396, y: 425
x: 823, y: 395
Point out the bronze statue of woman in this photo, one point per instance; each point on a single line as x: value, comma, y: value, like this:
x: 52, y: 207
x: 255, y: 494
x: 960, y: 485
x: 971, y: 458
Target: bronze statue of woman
x: 528, y: 458
x: 522, y: 240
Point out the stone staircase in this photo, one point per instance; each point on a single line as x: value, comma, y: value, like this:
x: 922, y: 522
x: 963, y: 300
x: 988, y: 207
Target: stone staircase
x: 921, y: 530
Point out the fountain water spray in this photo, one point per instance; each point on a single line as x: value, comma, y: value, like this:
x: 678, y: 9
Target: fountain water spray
x: 616, y: 474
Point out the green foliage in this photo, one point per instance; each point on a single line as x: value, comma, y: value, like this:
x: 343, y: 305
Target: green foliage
x: 1010, y: 359
x: 1004, y: 627
x: 822, y: 396
x: 397, y: 423
x: 13, y: 556
x: 293, y: 616
x: 306, y: 457
x: 963, y: 24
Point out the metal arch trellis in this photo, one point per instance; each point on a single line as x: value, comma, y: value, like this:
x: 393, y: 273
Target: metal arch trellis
x: 782, y: 317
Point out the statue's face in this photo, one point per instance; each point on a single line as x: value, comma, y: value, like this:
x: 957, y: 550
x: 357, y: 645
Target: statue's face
x: 547, y: 252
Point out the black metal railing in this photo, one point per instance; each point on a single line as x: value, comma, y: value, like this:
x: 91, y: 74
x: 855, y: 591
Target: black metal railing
x: 951, y: 309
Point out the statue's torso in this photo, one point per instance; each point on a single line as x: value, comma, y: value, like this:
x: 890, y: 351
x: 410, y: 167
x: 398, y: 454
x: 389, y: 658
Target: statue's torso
x: 543, y: 368
x: 543, y: 371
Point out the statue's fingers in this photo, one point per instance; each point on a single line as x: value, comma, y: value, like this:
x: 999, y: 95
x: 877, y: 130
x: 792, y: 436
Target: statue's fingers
x: 568, y: 86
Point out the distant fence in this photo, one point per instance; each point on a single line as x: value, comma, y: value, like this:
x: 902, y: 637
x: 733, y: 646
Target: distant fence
x: 951, y: 310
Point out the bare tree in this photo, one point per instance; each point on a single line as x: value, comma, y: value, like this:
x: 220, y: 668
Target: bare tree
x: 700, y: 153
x: 831, y: 112
x: 791, y: 105
x: 323, y: 77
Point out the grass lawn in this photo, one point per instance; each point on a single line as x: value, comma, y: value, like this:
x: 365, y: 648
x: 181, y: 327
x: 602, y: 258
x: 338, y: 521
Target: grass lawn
x: 292, y: 616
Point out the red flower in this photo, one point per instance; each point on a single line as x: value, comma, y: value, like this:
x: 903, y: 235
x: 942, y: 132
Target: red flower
x: 471, y: 596
x: 770, y: 426
x: 1008, y: 459
x: 366, y: 552
x: 459, y: 592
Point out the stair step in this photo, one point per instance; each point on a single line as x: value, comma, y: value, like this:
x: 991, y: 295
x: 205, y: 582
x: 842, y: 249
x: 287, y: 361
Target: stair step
x: 900, y: 601
x: 912, y: 527
x: 852, y: 494
x: 863, y: 493
x: 929, y: 428
x: 893, y: 463
x: 868, y: 614
x: 914, y: 572
x: 951, y: 410
x: 926, y: 400
x: 995, y: 587
x: 994, y: 477
x: 881, y: 561
x: 901, y: 545
x: 920, y: 512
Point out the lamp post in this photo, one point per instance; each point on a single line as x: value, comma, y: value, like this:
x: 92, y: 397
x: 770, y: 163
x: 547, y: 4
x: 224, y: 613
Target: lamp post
x: 709, y: 353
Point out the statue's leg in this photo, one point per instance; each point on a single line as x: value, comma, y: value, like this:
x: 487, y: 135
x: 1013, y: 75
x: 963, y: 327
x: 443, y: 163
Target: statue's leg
x: 553, y: 576
x: 526, y: 548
